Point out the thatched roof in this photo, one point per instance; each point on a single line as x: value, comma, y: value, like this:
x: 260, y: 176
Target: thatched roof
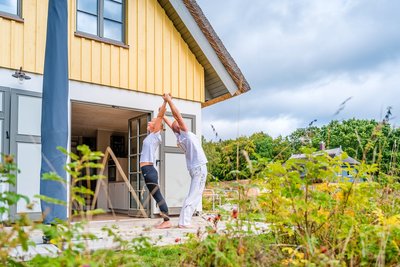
x: 216, y: 43
x: 223, y: 78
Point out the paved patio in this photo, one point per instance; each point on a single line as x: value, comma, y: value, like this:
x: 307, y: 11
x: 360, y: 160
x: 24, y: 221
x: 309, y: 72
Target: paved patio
x: 127, y: 229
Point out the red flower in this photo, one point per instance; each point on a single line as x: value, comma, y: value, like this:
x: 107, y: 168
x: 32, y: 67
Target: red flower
x: 323, y: 249
x: 217, y: 219
x: 235, y: 213
x: 177, y: 240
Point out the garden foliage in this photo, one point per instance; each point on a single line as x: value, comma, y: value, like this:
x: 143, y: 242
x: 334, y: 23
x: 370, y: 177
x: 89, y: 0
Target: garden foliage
x: 290, y: 221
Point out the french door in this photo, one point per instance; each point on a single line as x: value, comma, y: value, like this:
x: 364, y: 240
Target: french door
x: 137, y: 132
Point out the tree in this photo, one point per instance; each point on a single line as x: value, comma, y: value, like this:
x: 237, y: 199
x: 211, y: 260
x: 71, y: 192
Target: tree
x: 368, y: 140
x: 263, y: 145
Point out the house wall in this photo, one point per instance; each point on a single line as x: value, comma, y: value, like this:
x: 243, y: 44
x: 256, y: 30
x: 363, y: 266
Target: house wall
x: 23, y: 43
x: 177, y: 175
x: 156, y: 59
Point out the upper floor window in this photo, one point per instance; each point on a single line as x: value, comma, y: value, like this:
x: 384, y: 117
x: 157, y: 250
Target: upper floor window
x: 11, y: 7
x: 103, y: 18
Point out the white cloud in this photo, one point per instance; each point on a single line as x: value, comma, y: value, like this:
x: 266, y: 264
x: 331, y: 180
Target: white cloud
x: 261, y: 110
x: 303, y: 58
x: 274, y: 126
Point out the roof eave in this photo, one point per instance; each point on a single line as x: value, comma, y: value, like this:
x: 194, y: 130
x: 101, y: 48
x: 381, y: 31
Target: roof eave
x: 211, y: 48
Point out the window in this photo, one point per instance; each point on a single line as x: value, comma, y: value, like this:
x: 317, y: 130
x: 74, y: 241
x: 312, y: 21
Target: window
x: 103, y: 18
x: 11, y: 7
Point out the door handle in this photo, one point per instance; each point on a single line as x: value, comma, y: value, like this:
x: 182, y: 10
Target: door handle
x: 7, y: 135
x: 158, y: 162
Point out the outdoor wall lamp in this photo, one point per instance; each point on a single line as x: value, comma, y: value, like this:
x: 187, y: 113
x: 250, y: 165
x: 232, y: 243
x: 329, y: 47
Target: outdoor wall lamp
x: 20, y: 75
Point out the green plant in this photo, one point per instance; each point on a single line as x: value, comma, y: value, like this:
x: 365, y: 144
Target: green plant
x: 335, y: 222
x: 17, y: 232
x: 231, y: 247
x: 72, y: 239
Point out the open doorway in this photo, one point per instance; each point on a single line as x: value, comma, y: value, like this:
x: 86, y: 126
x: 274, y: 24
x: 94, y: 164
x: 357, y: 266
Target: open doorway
x: 99, y: 127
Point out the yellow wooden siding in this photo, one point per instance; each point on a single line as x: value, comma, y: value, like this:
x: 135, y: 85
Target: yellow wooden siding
x: 123, y: 67
x: 5, y: 43
x: 29, y: 61
x: 156, y: 61
x: 166, y: 53
x: 132, y: 39
x: 182, y: 68
x: 96, y: 62
x: 86, y: 60
x: 105, y: 64
x: 114, y: 66
x: 174, y: 62
x: 23, y: 43
x: 158, y: 50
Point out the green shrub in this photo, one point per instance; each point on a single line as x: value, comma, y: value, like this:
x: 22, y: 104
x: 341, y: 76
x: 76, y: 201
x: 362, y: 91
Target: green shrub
x: 12, y: 234
x: 336, y: 221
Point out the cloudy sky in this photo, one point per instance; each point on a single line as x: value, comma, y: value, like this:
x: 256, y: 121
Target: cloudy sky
x: 302, y: 59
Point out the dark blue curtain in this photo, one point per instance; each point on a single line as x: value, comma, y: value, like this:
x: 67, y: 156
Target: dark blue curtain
x: 55, y: 109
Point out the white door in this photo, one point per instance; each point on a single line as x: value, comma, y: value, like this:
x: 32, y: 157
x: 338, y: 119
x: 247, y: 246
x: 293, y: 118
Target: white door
x: 175, y: 178
x: 25, y: 130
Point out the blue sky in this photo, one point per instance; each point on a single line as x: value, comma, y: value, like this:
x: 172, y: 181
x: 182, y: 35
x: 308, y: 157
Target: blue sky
x: 303, y: 59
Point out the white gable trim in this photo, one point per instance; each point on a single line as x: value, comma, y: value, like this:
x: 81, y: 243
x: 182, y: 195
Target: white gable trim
x: 203, y: 43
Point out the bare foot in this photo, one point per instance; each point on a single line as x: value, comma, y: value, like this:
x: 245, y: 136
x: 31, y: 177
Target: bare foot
x: 164, y: 225
x: 185, y: 226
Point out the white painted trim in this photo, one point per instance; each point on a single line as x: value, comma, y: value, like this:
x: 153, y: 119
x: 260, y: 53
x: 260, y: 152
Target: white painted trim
x: 204, y: 44
x: 35, y: 84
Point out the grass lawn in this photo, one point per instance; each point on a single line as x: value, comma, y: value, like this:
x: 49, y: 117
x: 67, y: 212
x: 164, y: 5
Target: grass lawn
x: 160, y: 256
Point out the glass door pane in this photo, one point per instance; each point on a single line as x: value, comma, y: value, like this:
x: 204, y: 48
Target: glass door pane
x: 137, y: 132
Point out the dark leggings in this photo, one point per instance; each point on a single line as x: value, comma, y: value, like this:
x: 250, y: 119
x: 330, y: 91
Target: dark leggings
x: 150, y: 176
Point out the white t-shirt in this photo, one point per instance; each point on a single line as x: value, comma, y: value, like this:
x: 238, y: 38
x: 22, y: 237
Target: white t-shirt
x: 191, y: 145
x: 150, y: 145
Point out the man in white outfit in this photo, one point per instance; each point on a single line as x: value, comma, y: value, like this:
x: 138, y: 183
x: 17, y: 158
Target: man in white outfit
x: 195, y: 160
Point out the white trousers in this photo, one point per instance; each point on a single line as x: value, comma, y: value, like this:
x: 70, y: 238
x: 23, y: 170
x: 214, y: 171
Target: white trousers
x: 199, y: 176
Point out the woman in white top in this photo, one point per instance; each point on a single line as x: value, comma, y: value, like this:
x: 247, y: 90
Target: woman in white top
x: 147, y: 158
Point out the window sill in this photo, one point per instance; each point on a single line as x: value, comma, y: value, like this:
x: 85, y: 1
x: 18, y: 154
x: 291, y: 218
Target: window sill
x: 11, y: 17
x: 99, y: 39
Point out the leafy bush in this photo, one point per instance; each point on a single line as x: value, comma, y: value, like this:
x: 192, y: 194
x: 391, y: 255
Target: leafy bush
x: 335, y: 222
x: 15, y: 234
x: 365, y: 140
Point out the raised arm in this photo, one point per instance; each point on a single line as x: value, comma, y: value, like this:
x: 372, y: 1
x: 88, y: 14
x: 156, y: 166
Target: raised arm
x: 175, y: 112
x: 160, y: 116
x: 168, y: 122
